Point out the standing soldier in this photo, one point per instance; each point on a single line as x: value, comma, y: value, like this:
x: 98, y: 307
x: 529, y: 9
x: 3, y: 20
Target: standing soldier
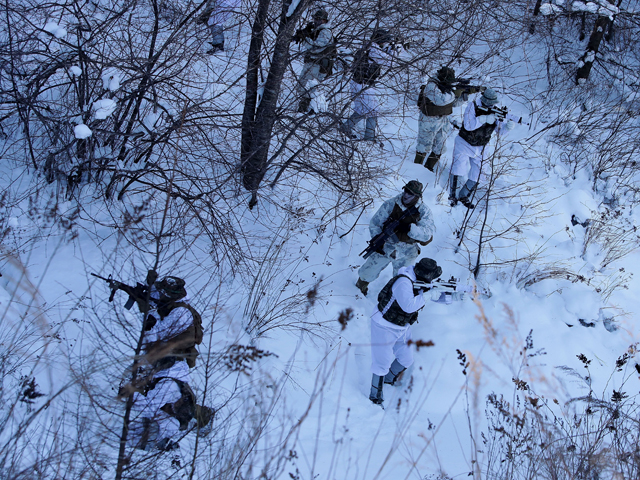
x: 367, y: 65
x: 398, y: 307
x: 173, y: 327
x: 216, y: 14
x: 470, y: 146
x: 317, y: 41
x: 401, y: 248
x: 436, y: 101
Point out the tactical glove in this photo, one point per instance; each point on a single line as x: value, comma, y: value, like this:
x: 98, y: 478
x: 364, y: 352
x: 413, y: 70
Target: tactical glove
x: 510, y: 125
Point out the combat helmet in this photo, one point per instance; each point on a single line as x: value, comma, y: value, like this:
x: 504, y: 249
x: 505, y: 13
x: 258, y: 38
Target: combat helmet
x: 414, y: 187
x: 322, y: 15
x: 489, y: 97
x: 446, y: 75
x: 427, y: 270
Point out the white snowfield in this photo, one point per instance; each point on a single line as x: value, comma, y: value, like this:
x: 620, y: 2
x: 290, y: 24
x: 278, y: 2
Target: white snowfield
x: 554, y: 231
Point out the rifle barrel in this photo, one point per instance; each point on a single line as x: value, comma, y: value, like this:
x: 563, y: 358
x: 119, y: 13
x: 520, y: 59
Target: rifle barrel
x: 101, y: 278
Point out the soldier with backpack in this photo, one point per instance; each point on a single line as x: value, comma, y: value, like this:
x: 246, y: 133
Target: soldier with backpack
x: 438, y: 96
x: 173, y: 327
x: 398, y: 308
x: 367, y: 65
x: 319, y: 55
x: 163, y: 406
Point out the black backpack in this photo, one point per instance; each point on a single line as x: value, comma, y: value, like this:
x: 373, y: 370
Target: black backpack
x: 328, y: 57
x: 365, y: 70
x: 183, y: 344
x: 183, y: 409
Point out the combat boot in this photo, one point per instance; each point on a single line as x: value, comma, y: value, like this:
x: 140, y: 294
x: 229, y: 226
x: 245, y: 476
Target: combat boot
x: 432, y: 160
x: 419, y: 157
x: 467, y: 203
x: 467, y: 190
x: 453, y: 186
x: 305, y: 102
x: 376, y: 389
x: 215, y: 48
x: 363, y: 286
x: 394, y: 373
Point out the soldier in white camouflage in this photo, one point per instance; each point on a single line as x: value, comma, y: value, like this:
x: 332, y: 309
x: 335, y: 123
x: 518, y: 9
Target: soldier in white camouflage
x: 398, y: 307
x: 316, y: 39
x: 436, y: 101
x: 404, y: 247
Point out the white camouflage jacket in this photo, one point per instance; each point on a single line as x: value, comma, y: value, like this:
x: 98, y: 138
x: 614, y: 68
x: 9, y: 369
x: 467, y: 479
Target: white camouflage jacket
x: 422, y: 231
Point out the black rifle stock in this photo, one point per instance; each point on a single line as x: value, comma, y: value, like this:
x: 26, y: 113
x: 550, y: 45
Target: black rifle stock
x: 303, y: 33
x: 136, y: 294
x: 376, y: 244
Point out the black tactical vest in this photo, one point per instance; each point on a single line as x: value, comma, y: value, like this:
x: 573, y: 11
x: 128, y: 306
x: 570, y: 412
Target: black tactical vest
x: 365, y: 70
x: 430, y: 109
x: 480, y: 136
x: 394, y: 314
x: 402, y: 231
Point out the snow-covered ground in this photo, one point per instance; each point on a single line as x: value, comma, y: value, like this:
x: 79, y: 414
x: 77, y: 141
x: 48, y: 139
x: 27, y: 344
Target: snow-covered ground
x: 552, y: 299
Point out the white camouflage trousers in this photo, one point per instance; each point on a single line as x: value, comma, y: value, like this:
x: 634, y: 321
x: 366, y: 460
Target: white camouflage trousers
x: 310, y: 71
x: 467, y: 160
x: 432, y: 133
x: 405, y: 254
x: 388, y: 342
x: 365, y: 100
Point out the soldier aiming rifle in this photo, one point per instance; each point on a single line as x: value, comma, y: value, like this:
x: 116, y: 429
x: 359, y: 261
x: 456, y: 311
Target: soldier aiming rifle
x: 482, y: 118
x: 172, y: 326
x: 439, y: 95
x: 399, y: 304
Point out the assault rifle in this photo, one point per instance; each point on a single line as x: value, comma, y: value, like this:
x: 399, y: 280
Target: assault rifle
x: 448, y: 290
x: 376, y: 244
x: 303, y: 33
x: 451, y: 284
x: 136, y: 294
x: 499, y: 112
x: 463, y: 85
